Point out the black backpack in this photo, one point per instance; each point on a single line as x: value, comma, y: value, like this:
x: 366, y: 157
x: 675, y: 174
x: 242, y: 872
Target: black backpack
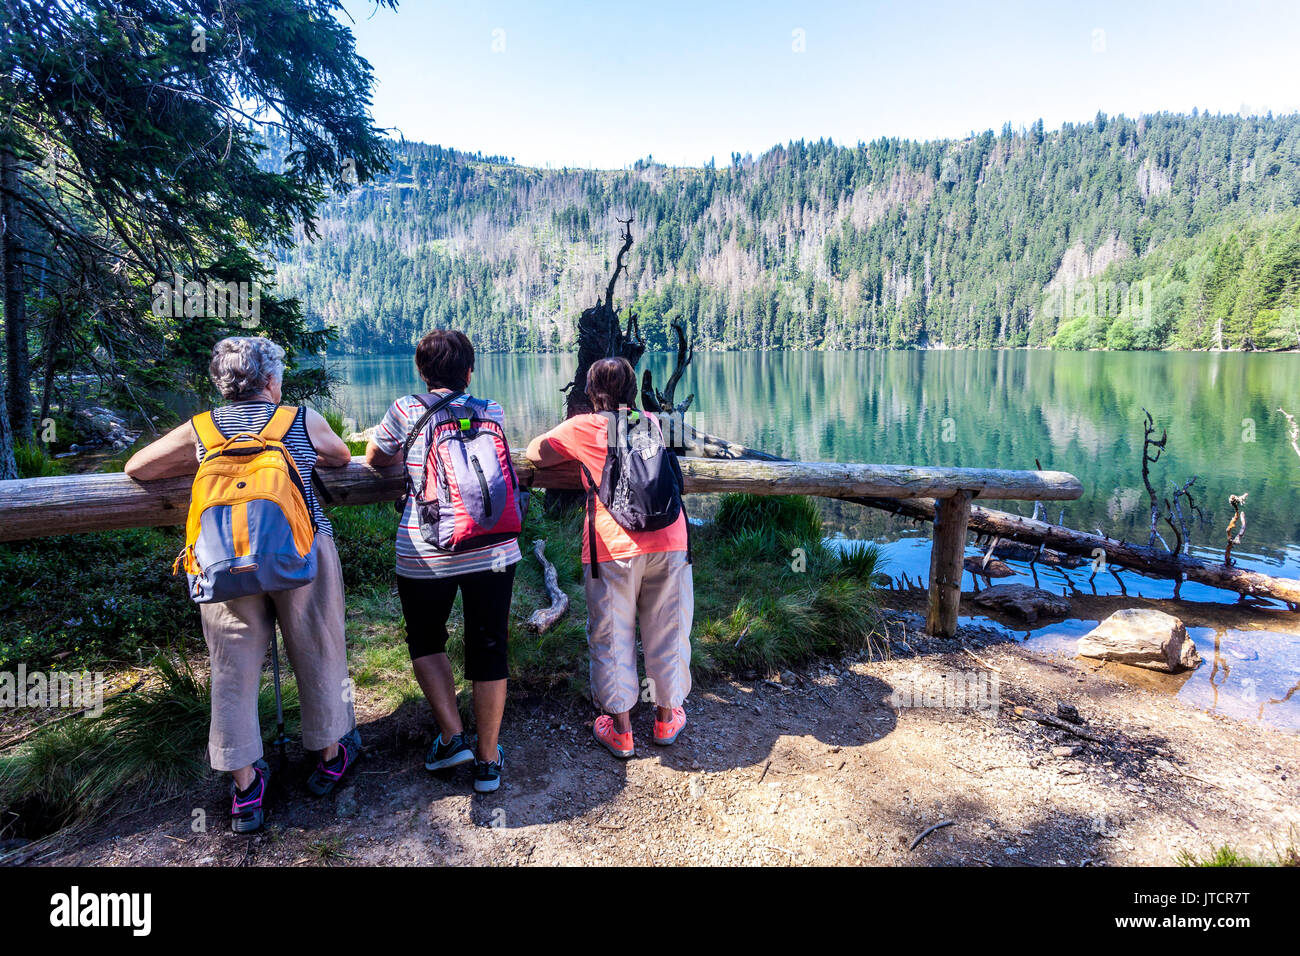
x: 641, y: 484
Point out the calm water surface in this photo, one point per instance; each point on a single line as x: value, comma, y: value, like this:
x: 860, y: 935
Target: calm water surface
x: 1075, y: 412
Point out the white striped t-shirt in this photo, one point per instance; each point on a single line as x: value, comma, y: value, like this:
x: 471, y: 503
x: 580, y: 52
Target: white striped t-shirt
x: 416, y: 558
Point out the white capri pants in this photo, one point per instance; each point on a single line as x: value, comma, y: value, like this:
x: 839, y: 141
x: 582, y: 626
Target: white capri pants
x: 656, y: 590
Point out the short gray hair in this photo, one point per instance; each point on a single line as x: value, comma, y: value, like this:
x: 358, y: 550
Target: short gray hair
x: 244, y: 365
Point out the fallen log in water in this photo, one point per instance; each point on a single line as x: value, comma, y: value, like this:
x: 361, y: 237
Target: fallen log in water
x: 1105, y: 550
x: 1108, y: 552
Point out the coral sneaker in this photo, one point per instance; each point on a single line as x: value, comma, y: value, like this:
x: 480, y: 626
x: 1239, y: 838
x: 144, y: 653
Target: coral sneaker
x: 665, y: 734
x: 620, y: 745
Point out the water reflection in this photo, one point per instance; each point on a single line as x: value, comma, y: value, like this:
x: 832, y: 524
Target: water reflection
x: 1077, y: 412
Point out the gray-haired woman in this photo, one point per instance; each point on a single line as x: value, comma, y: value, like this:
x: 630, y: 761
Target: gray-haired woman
x: 248, y: 372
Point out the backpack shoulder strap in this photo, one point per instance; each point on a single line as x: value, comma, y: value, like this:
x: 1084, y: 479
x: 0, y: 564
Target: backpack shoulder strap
x: 590, y: 484
x: 281, y: 421
x: 681, y: 498
x: 418, y: 427
x: 416, y: 430
x: 205, y: 426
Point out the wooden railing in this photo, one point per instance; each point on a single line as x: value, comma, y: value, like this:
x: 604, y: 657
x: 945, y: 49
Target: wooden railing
x: 73, y: 504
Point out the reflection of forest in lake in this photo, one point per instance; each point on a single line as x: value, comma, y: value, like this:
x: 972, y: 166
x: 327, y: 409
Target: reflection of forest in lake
x: 1072, y: 411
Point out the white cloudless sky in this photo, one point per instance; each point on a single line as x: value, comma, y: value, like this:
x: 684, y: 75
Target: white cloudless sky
x: 603, y: 84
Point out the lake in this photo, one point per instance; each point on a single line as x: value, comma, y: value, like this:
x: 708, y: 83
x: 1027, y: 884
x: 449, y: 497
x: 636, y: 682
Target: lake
x: 1079, y: 412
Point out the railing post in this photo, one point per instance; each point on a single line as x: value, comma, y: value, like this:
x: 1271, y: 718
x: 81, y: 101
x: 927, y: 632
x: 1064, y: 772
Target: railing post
x: 951, y: 517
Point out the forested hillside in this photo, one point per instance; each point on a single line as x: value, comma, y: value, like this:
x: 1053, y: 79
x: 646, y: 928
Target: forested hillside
x: 997, y: 239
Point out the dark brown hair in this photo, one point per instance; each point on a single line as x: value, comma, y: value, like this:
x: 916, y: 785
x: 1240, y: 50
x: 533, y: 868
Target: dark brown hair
x: 611, y: 382
x: 445, y: 358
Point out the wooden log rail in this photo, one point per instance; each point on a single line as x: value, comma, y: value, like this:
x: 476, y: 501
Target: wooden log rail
x: 71, y: 504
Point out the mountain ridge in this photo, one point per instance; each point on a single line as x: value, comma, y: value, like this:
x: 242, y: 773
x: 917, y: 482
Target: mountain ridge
x: 888, y: 244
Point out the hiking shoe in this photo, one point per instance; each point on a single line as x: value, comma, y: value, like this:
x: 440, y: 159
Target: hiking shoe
x: 487, y: 773
x: 666, y: 733
x: 246, y: 814
x: 327, y: 776
x: 620, y: 745
x: 453, y: 753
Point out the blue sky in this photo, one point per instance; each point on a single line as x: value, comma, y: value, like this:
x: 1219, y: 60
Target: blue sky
x: 603, y: 84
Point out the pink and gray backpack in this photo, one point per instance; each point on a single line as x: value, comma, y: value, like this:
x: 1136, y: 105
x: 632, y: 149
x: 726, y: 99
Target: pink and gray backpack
x: 468, y: 495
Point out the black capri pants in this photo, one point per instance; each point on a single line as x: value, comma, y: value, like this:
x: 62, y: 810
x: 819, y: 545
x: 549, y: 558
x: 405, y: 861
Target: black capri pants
x: 426, y: 605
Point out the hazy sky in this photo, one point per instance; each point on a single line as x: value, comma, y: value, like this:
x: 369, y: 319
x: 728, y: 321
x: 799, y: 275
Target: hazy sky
x: 603, y: 84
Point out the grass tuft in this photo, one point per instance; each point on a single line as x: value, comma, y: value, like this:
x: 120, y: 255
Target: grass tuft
x: 860, y: 560
x: 795, y: 514
x: 33, y: 462
x: 1227, y: 856
x: 148, y: 745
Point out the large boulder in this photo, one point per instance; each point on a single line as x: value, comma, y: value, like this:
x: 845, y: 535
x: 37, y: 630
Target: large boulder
x: 1142, y: 637
x: 1023, y: 601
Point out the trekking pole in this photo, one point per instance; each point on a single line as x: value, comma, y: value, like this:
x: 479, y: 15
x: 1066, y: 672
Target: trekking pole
x: 280, y: 738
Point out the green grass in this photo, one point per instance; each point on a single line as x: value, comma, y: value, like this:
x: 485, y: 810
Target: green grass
x: 1226, y: 856
x: 861, y: 561
x: 103, y: 597
x: 334, y: 418
x: 364, y: 537
x: 793, y: 514
x: 147, y: 746
x: 34, y: 462
x: 328, y: 850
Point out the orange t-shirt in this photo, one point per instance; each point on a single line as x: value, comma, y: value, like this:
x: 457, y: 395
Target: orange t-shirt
x: 584, y: 438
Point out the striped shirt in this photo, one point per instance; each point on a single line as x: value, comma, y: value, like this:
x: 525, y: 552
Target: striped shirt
x: 252, y: 417
x: 416, y: 558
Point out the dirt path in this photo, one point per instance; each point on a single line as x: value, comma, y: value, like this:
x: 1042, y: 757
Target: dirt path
x: 819, y: 768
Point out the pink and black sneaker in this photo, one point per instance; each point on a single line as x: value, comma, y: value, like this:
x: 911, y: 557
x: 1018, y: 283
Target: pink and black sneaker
x: 328, y: 775
x: 246, y: 815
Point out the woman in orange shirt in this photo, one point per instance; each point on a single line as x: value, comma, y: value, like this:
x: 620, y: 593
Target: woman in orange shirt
x: 642, y: 576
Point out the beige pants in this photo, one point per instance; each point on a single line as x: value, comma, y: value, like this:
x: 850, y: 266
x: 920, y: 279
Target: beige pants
x: 657, y: 590
x: 239, y: 632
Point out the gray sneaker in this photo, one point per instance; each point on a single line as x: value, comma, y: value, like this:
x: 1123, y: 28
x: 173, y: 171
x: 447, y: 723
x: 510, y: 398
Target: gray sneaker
x: 453, y: 753
x: 487, y: 773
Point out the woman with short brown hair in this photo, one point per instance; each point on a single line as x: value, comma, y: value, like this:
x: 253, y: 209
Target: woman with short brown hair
x: 428, y: 578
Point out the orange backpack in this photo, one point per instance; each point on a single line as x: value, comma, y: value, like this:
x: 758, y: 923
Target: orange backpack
x: 249, y: 529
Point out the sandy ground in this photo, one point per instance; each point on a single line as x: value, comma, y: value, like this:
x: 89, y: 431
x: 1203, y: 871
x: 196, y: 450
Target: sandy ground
x: 818, y: 767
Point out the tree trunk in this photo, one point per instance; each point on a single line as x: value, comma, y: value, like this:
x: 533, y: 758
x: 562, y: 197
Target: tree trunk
x: 18, y: 395
x: 67, y: 504
x: 1107, y: 552
x: 8, y: 467
x: 600, y: 335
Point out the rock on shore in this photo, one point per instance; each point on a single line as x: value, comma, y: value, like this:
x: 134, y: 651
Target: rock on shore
x: 1023, y: 601
x: 1142, y: 637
